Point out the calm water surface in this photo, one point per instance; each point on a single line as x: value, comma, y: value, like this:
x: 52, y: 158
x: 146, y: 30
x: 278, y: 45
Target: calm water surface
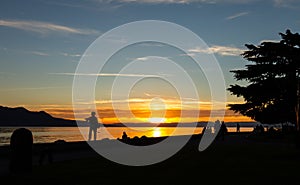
x: 69, y: 134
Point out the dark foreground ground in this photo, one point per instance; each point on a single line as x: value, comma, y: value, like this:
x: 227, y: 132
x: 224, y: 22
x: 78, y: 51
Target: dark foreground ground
x: 237, y: 160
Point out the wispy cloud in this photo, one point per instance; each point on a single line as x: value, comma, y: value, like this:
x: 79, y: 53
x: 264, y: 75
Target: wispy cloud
x: 187, y: 55
x: 277, y: 3
x: 38, y: 53
x: 146, y: 58
x: 287, y: 3
x: 152, y: 44
x: 71, y: 54
x: 237, y: 15
x: 90, y: 5
x: 105, y: 74
x: 179, y: 1
x: 32, y: 88
x: 165, y: 100
x: 45, y: 27
x: 269, y: 40
x: 156, y: 1
x: 220, y: 50
x: 142, y: 59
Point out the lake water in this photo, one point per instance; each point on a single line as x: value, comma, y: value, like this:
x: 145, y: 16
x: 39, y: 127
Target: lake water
x: 69, y: 134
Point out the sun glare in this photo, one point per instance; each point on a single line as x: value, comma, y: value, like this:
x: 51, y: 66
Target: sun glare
x: 157, y: 120
x: 156, y: 132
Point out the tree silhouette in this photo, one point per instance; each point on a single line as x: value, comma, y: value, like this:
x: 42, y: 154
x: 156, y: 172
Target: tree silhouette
x: 272, y: 93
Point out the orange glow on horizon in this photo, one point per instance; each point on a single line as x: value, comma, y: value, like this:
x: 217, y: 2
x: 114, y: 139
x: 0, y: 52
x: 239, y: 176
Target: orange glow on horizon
x: 141, y: 112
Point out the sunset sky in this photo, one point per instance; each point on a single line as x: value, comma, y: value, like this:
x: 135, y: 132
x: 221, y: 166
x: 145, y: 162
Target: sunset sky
x: 42, y: 42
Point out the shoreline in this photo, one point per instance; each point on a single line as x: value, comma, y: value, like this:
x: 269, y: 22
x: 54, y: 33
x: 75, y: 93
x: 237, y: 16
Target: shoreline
x: 64, y: 146
x: 73, y: 134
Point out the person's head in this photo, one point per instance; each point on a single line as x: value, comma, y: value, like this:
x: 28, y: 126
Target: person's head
x: 93, y: 113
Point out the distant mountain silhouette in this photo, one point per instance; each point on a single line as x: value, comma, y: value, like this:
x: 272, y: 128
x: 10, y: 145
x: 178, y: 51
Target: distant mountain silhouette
x: 20, y: 116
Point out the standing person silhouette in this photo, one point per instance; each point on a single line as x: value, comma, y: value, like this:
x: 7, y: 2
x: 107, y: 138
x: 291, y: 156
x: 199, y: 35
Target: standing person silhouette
x: 238, y: 127
x: 93, y: 121
x: 223, y: 130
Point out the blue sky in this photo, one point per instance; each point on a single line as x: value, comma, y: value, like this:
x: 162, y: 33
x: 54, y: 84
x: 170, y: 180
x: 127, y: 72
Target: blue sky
x: 41, y: 40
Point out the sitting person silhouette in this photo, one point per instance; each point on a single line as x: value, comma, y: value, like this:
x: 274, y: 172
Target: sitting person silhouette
x: 93, y: 121
x: 124, y: 136
x: 21, y: 143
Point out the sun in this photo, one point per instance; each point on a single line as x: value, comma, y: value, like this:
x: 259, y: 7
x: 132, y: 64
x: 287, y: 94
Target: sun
x: 157, y: 120
x: 157, y: 132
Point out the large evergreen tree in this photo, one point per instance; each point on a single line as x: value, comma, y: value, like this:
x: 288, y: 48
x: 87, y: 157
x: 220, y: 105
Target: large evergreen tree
x: 273, y: 81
